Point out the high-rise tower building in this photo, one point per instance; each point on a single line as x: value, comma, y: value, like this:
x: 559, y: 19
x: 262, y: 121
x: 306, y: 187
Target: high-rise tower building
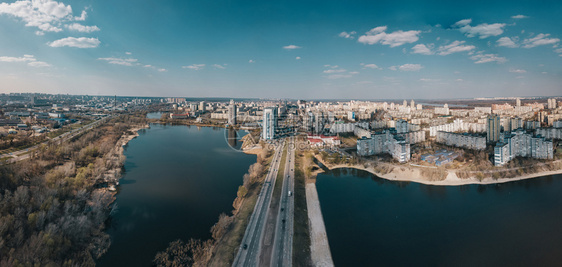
x: 493, y: 129
x: 232, y: 113
x: 269, y: 123
x: 551, y: 103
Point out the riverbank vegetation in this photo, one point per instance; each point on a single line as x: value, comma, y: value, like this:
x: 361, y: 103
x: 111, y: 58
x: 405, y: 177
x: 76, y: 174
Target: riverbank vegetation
x: 52, y: 209
x: 301, y: 234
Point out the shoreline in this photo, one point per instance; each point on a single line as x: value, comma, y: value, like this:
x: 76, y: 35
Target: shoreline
x: 119, y: 152
x: 414, y: 175
x: 320, y: 252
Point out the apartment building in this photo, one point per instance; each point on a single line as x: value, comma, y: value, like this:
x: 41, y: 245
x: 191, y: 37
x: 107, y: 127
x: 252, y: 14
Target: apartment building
x: 464, y: 140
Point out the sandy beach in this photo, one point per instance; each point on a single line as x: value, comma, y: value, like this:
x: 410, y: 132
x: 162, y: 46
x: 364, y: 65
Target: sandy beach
x: 413, y: 175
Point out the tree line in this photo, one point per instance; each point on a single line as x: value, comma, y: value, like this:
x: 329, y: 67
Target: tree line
x: 52, y: 211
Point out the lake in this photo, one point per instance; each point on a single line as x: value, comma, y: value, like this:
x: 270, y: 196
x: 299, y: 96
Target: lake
x: 372, y: 221
x: 178, y: 180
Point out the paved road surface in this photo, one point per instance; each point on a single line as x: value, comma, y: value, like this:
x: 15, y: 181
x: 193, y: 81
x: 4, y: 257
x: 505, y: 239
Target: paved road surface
x: 283, y: 244
x: 254, y: 231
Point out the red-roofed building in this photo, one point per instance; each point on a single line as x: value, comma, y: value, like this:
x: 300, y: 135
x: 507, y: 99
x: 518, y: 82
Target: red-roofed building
x: 322, y: 140
x: 179, y: 116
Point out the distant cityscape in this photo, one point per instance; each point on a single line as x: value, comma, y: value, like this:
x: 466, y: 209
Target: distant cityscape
x: 510, y: 127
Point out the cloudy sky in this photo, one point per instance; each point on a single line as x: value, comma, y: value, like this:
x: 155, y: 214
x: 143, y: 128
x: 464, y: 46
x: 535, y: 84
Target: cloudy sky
x: 282, y: 49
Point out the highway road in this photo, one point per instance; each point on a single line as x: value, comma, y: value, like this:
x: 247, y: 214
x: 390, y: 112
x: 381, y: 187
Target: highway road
x: 25, y: 153
x: 283, y: 242
x: 249, y: 251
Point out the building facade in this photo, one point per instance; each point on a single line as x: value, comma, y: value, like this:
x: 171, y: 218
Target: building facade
x: 385, y: 142
x: 269, y: 123
x: 232, y: 113
x: 522, y: 144
x: 463, y: 140
x: 493, y: 129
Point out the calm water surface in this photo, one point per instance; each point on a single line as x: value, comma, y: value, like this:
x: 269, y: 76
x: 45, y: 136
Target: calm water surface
x: 178, y: 180
x: 375, y: 222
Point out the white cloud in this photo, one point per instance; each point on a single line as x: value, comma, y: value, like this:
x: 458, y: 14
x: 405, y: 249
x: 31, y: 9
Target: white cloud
x: 251, y: 61
x: 422, y: 49
x: 339, y: 76
x: 485, y: 58
x: 298, y: 58
x: 507, y: 42
x: 121, y: 61
x: 82, y: 16
x: 39, y: 33
x: 455, y: 47
x: 517, y: 71
x: 218, y: 66
x: 559, y: 50
x: 81, y: 42
x: 47, y: 15
x: 463, y: 22
x: 334, y: 71
x: 25, y: 58
x: 30, y: 59
x: 370, y: 66
x: 483, y: 30
x: 459, y: 80
x: 519, y: 17
x: 148, y: 66
x: 194, y: 66
x: 348, y: 35
x: 540, y: 39
x: 291, y: 47
x: 38, y: 64
x: 397, y: 38
x: 82, y: 28
x: 128, y: 53
x: 338, y: 73
x: 407, y: 67
x: 429, y: 80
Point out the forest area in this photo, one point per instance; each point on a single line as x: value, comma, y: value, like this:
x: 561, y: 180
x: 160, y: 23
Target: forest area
x: 53, y: 207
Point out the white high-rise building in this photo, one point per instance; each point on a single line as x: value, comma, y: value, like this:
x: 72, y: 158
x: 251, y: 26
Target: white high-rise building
x: 232, y: 113
x: 551, y: 103
x: 202, y: 106
x: 269, y: 123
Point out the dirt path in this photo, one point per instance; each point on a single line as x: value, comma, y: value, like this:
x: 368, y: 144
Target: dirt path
x: 319, y: 247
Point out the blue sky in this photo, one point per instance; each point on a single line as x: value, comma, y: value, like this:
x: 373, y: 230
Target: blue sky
x: 282, y: 49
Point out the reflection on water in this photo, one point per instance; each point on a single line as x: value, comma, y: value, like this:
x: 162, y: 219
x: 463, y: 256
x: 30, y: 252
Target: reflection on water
x: 391, y: 223
x: 177, y: 181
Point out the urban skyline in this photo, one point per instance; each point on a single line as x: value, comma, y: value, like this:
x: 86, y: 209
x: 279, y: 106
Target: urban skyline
x: 336, y: 50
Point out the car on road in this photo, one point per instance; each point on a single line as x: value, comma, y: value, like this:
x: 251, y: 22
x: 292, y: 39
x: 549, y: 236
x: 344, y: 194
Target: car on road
x: 290, y: 193
x: 245, y: 246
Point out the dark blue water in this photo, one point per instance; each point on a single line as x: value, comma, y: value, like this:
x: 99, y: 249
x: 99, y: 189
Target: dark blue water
x: 178, y: 180
x: 375, y: 222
